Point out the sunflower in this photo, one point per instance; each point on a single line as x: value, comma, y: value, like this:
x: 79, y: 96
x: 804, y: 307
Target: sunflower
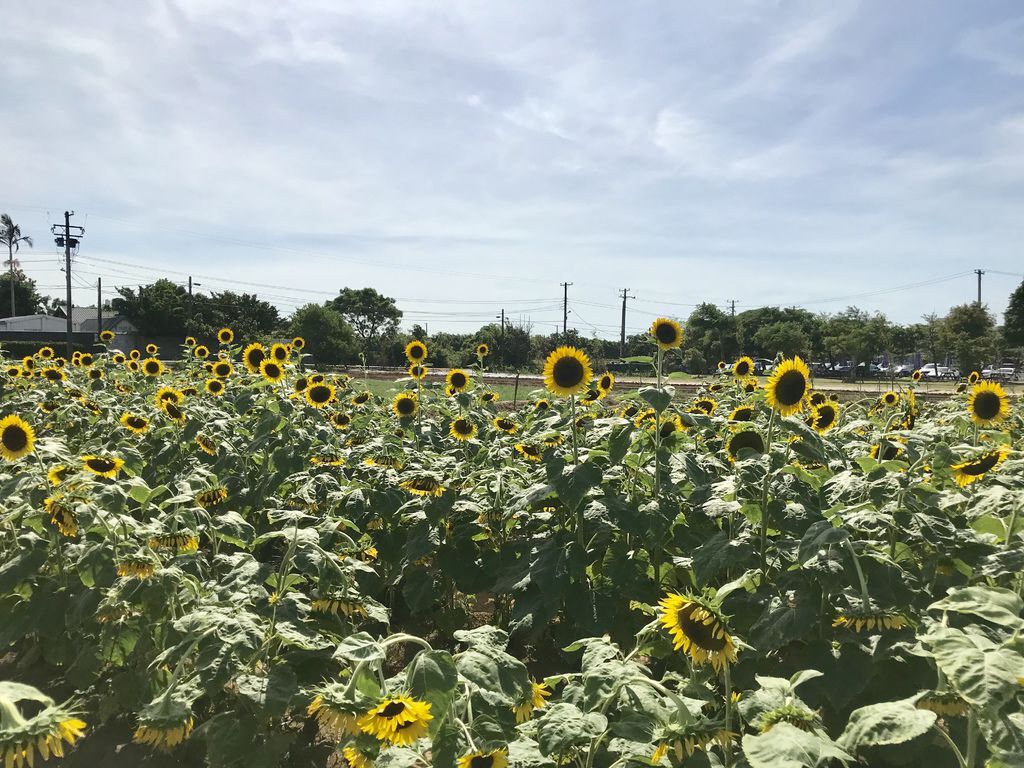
x: 496, y: 758
x: 424, y: 485
x: 62, y: 516
x: 398, y: 719
x: 916, y: 375
x: 102, y: 466
x: 212, y: 497
x: 135, y: 354
x: 788, y: 386
x: 152, y: 349
x: 215, y: 387
x: 133, y: 423
x: 13, y: 371
x: 890, y: 398
x: 356, y: 758
x: 225, y: 335
x: 183, y: 542
x: 190, y: 341
x: 694, y: 737
x: 605, y: 382
x: 133, y: 366
x: 816, y: 398
x: 280, y: 352
x: 592, y: 396
x: 961, y: 388
x: 974, y: 469
x: 53, y: 374
x: 174, y: 413
x: 698, y: 631
x: 382, y: 461
x: 861, y: 619
x: 298, y: 342
x: 482, y: 350
x: 823, y: 417
x: 536, y: 700
x: 745, y: 439
x: 528, y: 452
x: 668, y: 334
x: 107, y: 336
x: 334, y: 721
x: 417, y: 371
x: 974, y: 377
x: 645, y: 418
x: 168, y: 395
x: 271, y: 370
x: 96, y: 374
x: 361, y: 399
x: 704, y: 405
x: 28, y: 363
x: 567, y: 371
x: 405, y: 405
x: 151, y: 366
x: 988, y: 404
x: 17, y: 438
x: 46, y: 733
x: 327, y: 459
x: 490, y: 397
x: 201, y: 352
x: 163, y: 735
x: 136, y: 567
x: 222, y: 369
x: 49, y: 406
x: 462, y: 429
x: 541, y: 405
x: 206, y: 445
x: 457, y: 379
x: 945, y: 704
x: 57, y: 474
x: 886, y: 451
x: 742, y: 413
x: 341, y: 420
x: 253, y: 355
x: 85, y: 360
x: 416, y: 351
x: 743, y: 367
x: 45, y: 353
x: 507, y: 426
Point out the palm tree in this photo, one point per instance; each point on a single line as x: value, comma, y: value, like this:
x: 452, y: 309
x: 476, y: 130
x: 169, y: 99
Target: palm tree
x: 10, y: 235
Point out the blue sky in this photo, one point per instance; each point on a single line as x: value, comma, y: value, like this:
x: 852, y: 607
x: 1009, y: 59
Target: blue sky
x: 469, y: 156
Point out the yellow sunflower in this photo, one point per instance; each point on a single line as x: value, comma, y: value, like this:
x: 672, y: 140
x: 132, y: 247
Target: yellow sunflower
x: 507, y: 426
x: 824, y: 417
x: 462, y: 429
x: 971, y: 471
x: 271, y: 370
x: 788, y: 386
x: 538, y: 693
x: 253, y: 355
x: 320, y: 395
x: 528, y: 451
x: 667, y: 334
x: 168, y: 395
x: 341, y: 420
x: 917, y: 375
x: 45, y: 353
x: 742, y: 413
x: 57, y: 474
x: 974, y: 377
x: 457, y: 380
x: 133, y: 423
x: 163, y: 735
x: 298, y: 342
x: 280, y: 352
x: 541, y: 405
x: 743, y: 367
x: 424, y: 485
x: 107, y: 336
x: 988, y: 404
x: 890, y: 398
x: 206, y: 445
x: 46, y: 733
x: 333, y: 720
x: 405, y: 405
x: 102, y: 466
x: 496, y: 758
x: 190, y: 341
x: 861, y: 619
x: 605, y: 382
x: 704, y: 405
x: 399, y: 719
x: 416, y: 351
x: 698, y: 631
x: 482, y: 350
x: 201, y: 352
x: 17, y: 438
x: 212, y: 497
x: 225, y: 335
x: 151, y: 366
x: 222, y: 369
x: 174, y: 413
x: 747, y: 439
x: 417, y: 371
x: 215, y: 387
x: 152, y: 349
x: 567, y: 371
x: 361, y: 399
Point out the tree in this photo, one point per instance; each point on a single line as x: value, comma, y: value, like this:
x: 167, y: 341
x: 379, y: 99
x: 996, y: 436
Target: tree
x: 785, y: 336
x: 245, y: 313
x: 372, y: 316
x: 712, y: 332
x: 329, y: 339
x: 510, y: 350
x: 10, y: 235
x: 857, y: 335
x: 933, y: 338
x: 748, y: 323
x: 970, y: 329
x: 158, y: 309
x: 27, y: 300
x: 1013, y: 318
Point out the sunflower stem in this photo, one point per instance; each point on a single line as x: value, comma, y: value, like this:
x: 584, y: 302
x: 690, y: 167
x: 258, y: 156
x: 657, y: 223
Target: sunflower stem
x: 764, y: 494
x: 952, y: 745
x: 572, y: 412
x: 727, y: 682
x: 865, y: 598
x: 972, y: 740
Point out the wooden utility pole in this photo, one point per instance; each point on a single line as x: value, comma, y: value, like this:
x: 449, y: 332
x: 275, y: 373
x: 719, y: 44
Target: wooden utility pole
x: 565, y: 308
x: 63, y: 237
x: 979, y: 273
x: 99, y: 307
x: 622, y: 329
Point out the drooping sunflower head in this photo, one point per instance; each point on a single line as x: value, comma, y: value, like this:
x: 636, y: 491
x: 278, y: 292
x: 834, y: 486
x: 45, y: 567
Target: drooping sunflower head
x: 462, y: 429
x: 745, y: 440
x: 17, y: 438
x: 743, y: 367
x: 496, y: 758
x: 528, y: 451
x: 788, y: 386
x: 667, y: 334
x: 567, y: 372
x: 684, y: 740
x: 423, y: 485
x: 704, y: 405
x: 400, y: 720
x: 225, y: 335
x: 253, y: 355
x: 541, y: 404
x: 489, y: 397
x: 405, y: 405
x: 341, y: 420
x: 698, y: 630
x: 174, y: 413
x: 536, y: 700
x: 320, y: 395
x: 212, y: 497
x: 670, y: 425
x: 974, y: 469
x: 943, y: 704
x: 824, y: 417
x: 886, y: 450
x: 96, y: 374
x: 164, y: 724
x: 361, y: 398
x: 482, y: 350
x: 591, y: 396
x: 135, y: 424
x: 53, y: 374
x: 860, y: 619
x: 102, y: 466
x: 742, y: 413
x: 215, y: 387
x: 47, y: 732
x: 890, y: 398
x: 987, y: 403
x: 417, y: 371
x: 272, y: 370
x: 206, y: 445
x: 457, y: 380
x: 416, y: 351
x: 151, y: 366
x: 750, y: 384
x: 974, y: 377
x: 507, y: 426
x: 334, y: 712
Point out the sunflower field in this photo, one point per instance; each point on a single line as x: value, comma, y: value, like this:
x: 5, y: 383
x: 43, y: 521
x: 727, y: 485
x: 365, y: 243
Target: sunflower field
x: 219, y: 557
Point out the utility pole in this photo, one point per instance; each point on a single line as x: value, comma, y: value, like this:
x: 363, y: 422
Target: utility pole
x: 565, y: 308
x: 732, y: 308
x: 622, y: 329
x: 99, y: 307
x: 979, y: 273
x: 501, y: 346
x: 190, y: 289
x: 63, y: 237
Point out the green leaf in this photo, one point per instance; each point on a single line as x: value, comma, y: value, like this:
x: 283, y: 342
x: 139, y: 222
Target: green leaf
x: 496, y: 672
x: 563, y: 727
x: 818, y: 538
x: 1000, y: 606
x: 786, y: 746
x: 981, y: 671
x: 891, y: 722
x: 432, y: 677
x: 658, y: 399
x: 358, y: 648
x: 31, y: 554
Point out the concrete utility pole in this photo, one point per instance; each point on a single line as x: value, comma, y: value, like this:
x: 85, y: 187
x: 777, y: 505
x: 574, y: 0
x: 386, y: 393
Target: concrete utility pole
x: 732, y: 308
x: 622, y: 329
x: 565, y: 308
x: 979, y: 273
x: 63, y: 237
x: 99, y: 307
x: 501, y: 347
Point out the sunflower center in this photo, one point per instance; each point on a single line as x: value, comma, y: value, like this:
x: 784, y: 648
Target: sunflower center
x: 705, y: 405
x: 665, y: 333
x: 101, y: 465
x: 742, y: 368
x: 393, y: 709
x: 505, y: 424
x: 136, y: 423
x: 826, y: 416
x: 406, y: 406
x: 362, y: 398
x: 319, y: 394
x: 986, y: 405
x: 256, y: 356
x: 416, y: 353
x: 463, y: 427
x: 458, y: 380
x: 982, y: 465
x: 14, y: 438
x: 748, y: 439
x: 567, y: 372
x: 742, y: 414
x: 790, y: 388
x: 481, y: 761
x: 700, y: 634
x: 152, y: 368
